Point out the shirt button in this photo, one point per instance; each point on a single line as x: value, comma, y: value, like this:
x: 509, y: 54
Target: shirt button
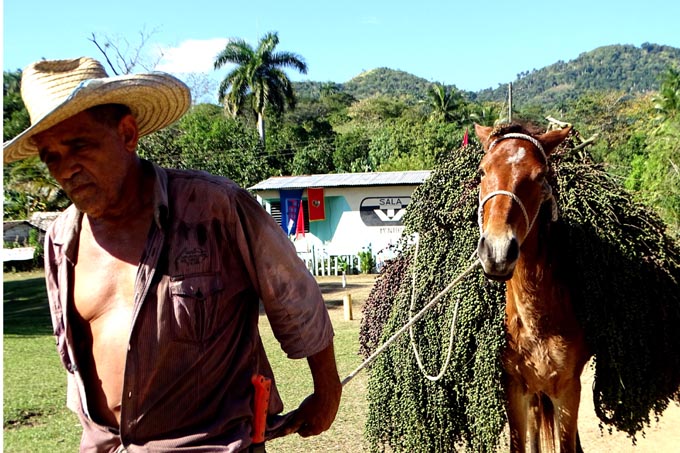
x: 129, y: 395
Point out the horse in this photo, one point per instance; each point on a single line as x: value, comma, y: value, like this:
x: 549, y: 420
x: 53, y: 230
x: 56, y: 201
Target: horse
x: 546, y: 350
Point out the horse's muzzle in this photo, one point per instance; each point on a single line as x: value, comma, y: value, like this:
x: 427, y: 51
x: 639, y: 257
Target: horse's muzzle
x: 498, y: 256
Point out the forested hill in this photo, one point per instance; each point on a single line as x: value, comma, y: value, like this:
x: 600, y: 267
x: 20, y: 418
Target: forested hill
x: 380, y: 81
x: 616, y: 67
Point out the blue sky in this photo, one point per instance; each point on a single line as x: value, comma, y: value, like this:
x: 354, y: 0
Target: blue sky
x: 470, y: 44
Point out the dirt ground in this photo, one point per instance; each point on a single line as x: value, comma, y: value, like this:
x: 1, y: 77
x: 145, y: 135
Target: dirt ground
x: 661, y: 437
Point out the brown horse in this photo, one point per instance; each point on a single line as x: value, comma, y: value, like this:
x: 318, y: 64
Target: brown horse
x: 546, y: 350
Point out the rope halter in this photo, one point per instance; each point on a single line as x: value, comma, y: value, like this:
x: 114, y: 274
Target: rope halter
x: 547, y: 190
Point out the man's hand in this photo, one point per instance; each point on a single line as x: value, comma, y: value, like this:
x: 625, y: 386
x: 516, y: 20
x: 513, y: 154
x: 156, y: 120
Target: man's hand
x: 317, y: 412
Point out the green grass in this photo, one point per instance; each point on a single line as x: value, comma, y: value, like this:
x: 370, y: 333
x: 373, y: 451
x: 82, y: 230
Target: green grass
x: 35, y: 416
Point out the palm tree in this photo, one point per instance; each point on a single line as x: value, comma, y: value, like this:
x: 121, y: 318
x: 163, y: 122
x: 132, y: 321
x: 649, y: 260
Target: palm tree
x: 667, y: 102
x: 486, y: 114
x: 258, y: 78
x: 446, y: 104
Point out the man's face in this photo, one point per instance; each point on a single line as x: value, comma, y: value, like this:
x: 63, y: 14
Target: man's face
x: 90, y: 160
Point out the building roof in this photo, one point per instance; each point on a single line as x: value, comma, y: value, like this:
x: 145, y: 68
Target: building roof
x: 390, y: 178
x: 43, y: 220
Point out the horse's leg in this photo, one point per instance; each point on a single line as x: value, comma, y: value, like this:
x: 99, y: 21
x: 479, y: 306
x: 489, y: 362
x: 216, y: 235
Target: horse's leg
x: 567, y: 416
x: 579, y: 449
x: 518, y: 405
x: 534, y: 423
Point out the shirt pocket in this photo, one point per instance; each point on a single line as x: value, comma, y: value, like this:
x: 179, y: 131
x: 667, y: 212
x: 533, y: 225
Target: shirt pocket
x: 194, y: 301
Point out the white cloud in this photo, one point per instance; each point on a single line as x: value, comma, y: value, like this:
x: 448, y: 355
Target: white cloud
x: 192, y: 55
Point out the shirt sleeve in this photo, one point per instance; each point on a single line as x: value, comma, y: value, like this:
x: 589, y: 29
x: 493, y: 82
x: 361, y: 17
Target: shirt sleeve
x: 290, y: 294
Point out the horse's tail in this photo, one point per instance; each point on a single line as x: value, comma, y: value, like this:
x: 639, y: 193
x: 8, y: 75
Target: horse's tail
x: 546, y: 411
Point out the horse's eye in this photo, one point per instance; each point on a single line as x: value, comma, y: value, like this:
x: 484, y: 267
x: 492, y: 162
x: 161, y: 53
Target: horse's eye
x: 481, y: 172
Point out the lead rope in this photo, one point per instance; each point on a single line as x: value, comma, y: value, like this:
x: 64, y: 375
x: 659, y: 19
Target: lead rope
x: 410, y: 330
x: 411, y: 321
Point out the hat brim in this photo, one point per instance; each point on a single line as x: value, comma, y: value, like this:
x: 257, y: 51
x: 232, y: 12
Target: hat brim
x: 155, y: 100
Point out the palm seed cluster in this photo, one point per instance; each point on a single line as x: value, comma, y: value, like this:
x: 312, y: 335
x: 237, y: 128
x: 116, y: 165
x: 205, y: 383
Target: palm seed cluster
x: 622, y: 267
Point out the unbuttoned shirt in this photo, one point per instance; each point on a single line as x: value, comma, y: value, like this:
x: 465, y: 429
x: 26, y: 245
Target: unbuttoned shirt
x: 212, y: 257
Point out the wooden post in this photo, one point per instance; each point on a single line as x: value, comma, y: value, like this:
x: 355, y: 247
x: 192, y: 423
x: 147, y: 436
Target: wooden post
x: 510, y: 102
x: 347, y: 305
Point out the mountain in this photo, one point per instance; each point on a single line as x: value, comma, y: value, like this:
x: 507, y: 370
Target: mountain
x: 617, y: 67
x: 385, y: 81
x: 379, y: 81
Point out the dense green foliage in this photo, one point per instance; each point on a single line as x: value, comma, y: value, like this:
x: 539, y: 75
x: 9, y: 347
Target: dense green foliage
x: 624, y: 273
x: 15, y: 115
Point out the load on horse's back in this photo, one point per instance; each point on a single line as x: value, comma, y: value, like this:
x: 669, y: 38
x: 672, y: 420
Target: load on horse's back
x: 546, y: 348
x: 600, y: 277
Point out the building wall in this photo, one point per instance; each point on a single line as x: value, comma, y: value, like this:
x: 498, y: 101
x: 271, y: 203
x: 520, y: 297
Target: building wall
x: 356, y: 218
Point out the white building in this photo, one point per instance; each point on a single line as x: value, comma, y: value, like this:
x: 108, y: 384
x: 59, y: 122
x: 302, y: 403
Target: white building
x: 362, y: 211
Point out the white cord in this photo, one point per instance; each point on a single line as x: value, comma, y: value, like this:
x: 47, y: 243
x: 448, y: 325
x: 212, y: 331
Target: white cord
x: 413, y: 320
x: 410, y: 330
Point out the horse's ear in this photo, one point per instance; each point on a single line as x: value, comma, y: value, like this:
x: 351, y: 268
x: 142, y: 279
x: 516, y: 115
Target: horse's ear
x: 551, y: 139
x: 483, y: 133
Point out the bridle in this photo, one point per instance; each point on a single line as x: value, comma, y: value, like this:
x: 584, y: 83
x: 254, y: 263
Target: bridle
x: 547, y: 190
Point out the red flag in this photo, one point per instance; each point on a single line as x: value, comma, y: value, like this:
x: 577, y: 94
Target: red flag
x: 300, y: 226
x: 465, y: 138
x: 315, y: 204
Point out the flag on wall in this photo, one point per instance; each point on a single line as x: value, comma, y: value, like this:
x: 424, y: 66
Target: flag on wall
x: 315, y: 204
x: 291, y: 203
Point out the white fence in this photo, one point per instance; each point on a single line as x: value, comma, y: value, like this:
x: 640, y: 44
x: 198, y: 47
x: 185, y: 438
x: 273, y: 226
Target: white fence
x: 319, y: 262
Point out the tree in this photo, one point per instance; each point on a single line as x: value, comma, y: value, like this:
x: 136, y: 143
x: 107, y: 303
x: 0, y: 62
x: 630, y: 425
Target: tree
x: 667, y: 102
x: 447, y: 105
x: 28, y: 186
x: 122, y: 56
x: 220, y: 145
x: 15, y: 115
x: 258, y: 77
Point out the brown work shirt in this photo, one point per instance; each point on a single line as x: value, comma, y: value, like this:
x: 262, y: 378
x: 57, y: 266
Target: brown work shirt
x: 212, y: 255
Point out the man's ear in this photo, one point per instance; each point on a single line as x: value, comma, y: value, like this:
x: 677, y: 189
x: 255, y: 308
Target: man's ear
x: 129, y: 132
x: 550, y: 140
x: 483, y: 133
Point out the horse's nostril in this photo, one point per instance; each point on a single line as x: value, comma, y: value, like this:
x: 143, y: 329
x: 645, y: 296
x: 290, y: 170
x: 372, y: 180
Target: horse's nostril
x: 482, y: 251
x: 513, y: 250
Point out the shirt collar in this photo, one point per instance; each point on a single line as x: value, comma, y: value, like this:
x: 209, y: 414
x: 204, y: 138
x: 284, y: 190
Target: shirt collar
x: 69, y: 232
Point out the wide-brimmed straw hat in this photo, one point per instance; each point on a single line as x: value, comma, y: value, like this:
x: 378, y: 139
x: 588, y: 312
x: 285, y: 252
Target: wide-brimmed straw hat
x: 56, y: 90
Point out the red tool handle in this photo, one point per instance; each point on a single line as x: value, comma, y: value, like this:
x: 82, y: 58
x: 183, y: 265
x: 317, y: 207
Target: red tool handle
x: 263, y: 387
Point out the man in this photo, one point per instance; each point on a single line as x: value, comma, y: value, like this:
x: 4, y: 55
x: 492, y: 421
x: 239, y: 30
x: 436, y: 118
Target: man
x: 155, y: 276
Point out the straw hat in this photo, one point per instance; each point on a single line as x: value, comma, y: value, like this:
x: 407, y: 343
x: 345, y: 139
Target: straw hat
x: 54, y: 91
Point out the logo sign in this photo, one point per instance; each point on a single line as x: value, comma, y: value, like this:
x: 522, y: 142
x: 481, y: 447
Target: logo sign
x: 383, y: 211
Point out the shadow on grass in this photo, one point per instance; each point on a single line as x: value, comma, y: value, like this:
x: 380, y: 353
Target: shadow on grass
x: 25, y: 307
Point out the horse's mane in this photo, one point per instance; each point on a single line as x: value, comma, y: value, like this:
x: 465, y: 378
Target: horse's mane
x: 516, y: 127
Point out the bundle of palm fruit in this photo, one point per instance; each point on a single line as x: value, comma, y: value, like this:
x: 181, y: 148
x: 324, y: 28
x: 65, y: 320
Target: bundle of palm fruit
x: 622, y: 267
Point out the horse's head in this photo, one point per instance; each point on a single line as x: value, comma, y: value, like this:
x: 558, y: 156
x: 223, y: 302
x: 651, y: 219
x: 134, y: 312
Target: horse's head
x: 512, y: 189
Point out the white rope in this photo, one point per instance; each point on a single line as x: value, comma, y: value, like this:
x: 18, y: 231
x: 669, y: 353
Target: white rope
x: 452, y: 333
x: 413, y: 320
x: 526, y: 137
x: 482, y: 202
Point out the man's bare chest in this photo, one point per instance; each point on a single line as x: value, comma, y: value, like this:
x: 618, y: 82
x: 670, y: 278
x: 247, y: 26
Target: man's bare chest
x: 104, y: 277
